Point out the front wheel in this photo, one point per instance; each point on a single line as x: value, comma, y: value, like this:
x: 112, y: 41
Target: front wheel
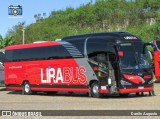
x: 95, y: 90
x: 26, y: 88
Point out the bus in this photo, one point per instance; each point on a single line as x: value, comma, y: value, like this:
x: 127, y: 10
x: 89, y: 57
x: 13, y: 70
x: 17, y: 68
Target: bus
x: 156, y: 58
x: 96, y: 63
x: 2, y: 67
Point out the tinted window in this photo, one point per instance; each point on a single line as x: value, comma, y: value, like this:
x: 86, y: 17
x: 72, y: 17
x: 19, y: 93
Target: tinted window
x: 135, y: 56
x: 39, y: 53
x: 95, y: 46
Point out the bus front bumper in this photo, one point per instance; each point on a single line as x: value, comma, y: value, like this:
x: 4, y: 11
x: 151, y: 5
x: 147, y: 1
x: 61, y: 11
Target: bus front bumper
x: 135, y: 90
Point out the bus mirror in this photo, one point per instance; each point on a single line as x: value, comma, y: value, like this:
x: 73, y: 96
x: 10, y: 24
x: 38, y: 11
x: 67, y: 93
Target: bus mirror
x: 120, y: 53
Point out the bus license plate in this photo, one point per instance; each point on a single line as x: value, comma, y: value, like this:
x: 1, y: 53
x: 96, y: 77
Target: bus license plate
x: 103, y: 87
x: 140, y: 87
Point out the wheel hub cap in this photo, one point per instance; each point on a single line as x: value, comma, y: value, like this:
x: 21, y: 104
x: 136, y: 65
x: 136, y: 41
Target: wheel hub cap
x: 27, y: 88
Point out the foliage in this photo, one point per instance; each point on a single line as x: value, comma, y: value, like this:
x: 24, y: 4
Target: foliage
x: 140, y: 17
x: 6, y: 42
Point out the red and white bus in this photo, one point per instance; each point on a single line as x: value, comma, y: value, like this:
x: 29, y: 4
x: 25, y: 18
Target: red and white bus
x: 156, y: 55
x: 98, y: 63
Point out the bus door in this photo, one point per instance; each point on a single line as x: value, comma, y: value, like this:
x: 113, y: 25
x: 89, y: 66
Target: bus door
x: 113, y: 72
x: 97, y: 58
x: 108, y: 70
x: 102, y: 58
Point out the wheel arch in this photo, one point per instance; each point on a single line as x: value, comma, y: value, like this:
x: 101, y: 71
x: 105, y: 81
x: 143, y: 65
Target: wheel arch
x: 24, y: 81
x: 92, y: 81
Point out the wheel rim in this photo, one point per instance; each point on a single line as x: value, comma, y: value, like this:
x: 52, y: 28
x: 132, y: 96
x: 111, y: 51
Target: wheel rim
x: 95, y: 89
x: 27, y: 88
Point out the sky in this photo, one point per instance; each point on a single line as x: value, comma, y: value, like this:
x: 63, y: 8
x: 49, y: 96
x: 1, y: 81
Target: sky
x: 30, y: 8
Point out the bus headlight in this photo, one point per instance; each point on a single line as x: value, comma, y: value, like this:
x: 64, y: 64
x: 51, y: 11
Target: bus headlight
x: 125, y: 82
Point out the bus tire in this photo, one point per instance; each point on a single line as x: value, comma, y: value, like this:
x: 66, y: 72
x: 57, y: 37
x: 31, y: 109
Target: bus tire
x: 26, y: 88
x: 95, y: 90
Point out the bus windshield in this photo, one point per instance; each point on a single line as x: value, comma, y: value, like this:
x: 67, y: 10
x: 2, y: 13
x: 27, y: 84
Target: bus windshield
x: 135, y: 56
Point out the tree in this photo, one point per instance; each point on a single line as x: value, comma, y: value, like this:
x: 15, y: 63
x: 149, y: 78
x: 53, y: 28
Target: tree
x: 1, y: 37
x: 35, y: 16
x: 103, y: 15
x: 6, y: 42
x: 44, y: 14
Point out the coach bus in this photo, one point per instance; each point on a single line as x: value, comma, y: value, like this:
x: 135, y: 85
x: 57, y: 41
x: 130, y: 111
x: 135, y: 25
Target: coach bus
x: 97, y: 63
x: 2, y: 67
x: 156, y: 57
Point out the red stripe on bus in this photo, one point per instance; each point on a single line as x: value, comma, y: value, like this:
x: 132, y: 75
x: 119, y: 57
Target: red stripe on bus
x: 133, y: 90
x: 14, y: 88
x: 103, y: 91
x: 51, y: 43
x: 61, y: 89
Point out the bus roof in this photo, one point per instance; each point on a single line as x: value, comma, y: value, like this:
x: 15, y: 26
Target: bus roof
x: 119, y: 35
x: 22, y: 46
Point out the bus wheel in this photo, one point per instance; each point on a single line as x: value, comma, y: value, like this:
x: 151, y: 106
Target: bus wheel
x: 123, y: 94
x: 26, y: 88
x: 95, y: 90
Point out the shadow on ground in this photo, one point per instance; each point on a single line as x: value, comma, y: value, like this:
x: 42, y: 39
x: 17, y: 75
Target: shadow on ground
x: 65, y: 94
x: 3, y: 89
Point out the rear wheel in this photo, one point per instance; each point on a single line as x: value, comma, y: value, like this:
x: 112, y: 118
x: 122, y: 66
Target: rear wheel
x: 95, y: 90
x: 26, y: 88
